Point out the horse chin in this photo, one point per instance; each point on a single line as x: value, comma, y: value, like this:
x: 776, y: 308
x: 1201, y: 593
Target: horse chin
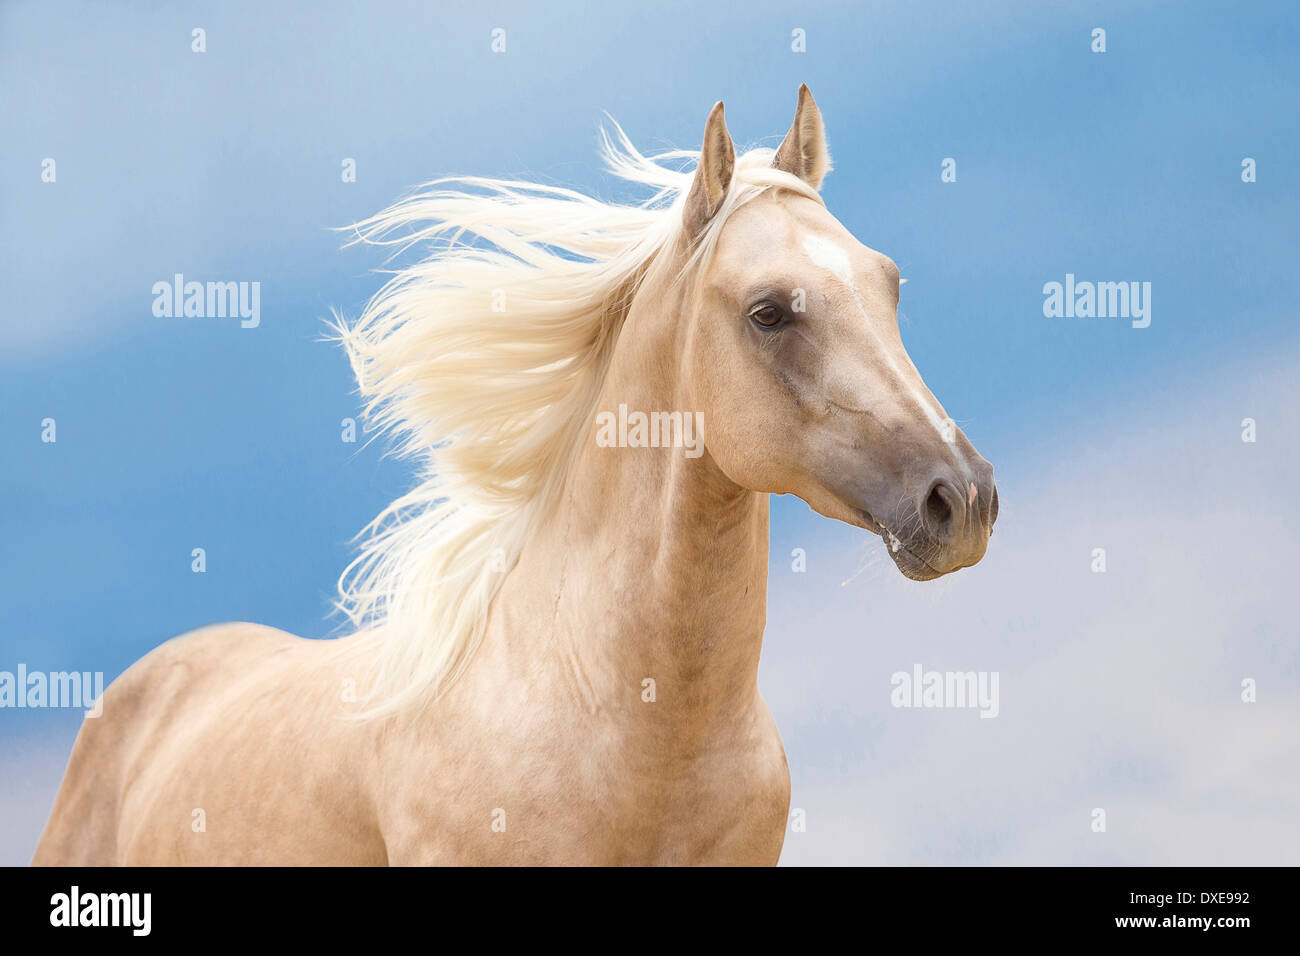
x: 908, y: 562
x: 910, y: 565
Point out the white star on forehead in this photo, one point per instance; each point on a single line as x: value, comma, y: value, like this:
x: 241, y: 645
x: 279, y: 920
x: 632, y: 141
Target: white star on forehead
x: 830, y: 257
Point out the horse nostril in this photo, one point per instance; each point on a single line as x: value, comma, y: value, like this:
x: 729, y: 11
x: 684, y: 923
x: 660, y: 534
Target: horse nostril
x: 939, y: 509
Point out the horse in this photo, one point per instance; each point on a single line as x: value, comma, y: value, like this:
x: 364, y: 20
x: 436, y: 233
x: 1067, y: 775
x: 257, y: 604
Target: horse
x: 555, y: 634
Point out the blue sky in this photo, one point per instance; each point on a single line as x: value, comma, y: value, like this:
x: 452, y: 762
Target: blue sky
x: 180, y: 433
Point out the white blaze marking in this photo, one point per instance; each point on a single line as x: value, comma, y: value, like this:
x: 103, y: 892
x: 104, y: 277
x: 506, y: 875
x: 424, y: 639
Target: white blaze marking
x: 836, y: 261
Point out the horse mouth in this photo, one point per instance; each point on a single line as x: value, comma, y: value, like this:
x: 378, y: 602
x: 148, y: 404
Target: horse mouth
x: 908, y: 562
x: 912, y: 565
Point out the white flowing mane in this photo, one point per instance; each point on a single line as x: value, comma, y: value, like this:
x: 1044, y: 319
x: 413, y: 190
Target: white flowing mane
x: 485, y: 362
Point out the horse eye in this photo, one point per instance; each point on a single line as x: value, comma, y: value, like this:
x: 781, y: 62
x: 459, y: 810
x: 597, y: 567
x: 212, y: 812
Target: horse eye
x: 766, y: 315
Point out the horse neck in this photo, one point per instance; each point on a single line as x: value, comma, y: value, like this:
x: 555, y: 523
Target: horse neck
x: 654, y: 565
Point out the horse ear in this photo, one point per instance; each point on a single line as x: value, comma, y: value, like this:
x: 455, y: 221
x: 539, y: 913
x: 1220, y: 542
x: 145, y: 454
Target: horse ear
x: 712, y: 176
x: 803, y: 152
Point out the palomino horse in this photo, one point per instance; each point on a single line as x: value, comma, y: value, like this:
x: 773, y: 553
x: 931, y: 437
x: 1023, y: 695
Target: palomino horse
x: 557, y: 631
